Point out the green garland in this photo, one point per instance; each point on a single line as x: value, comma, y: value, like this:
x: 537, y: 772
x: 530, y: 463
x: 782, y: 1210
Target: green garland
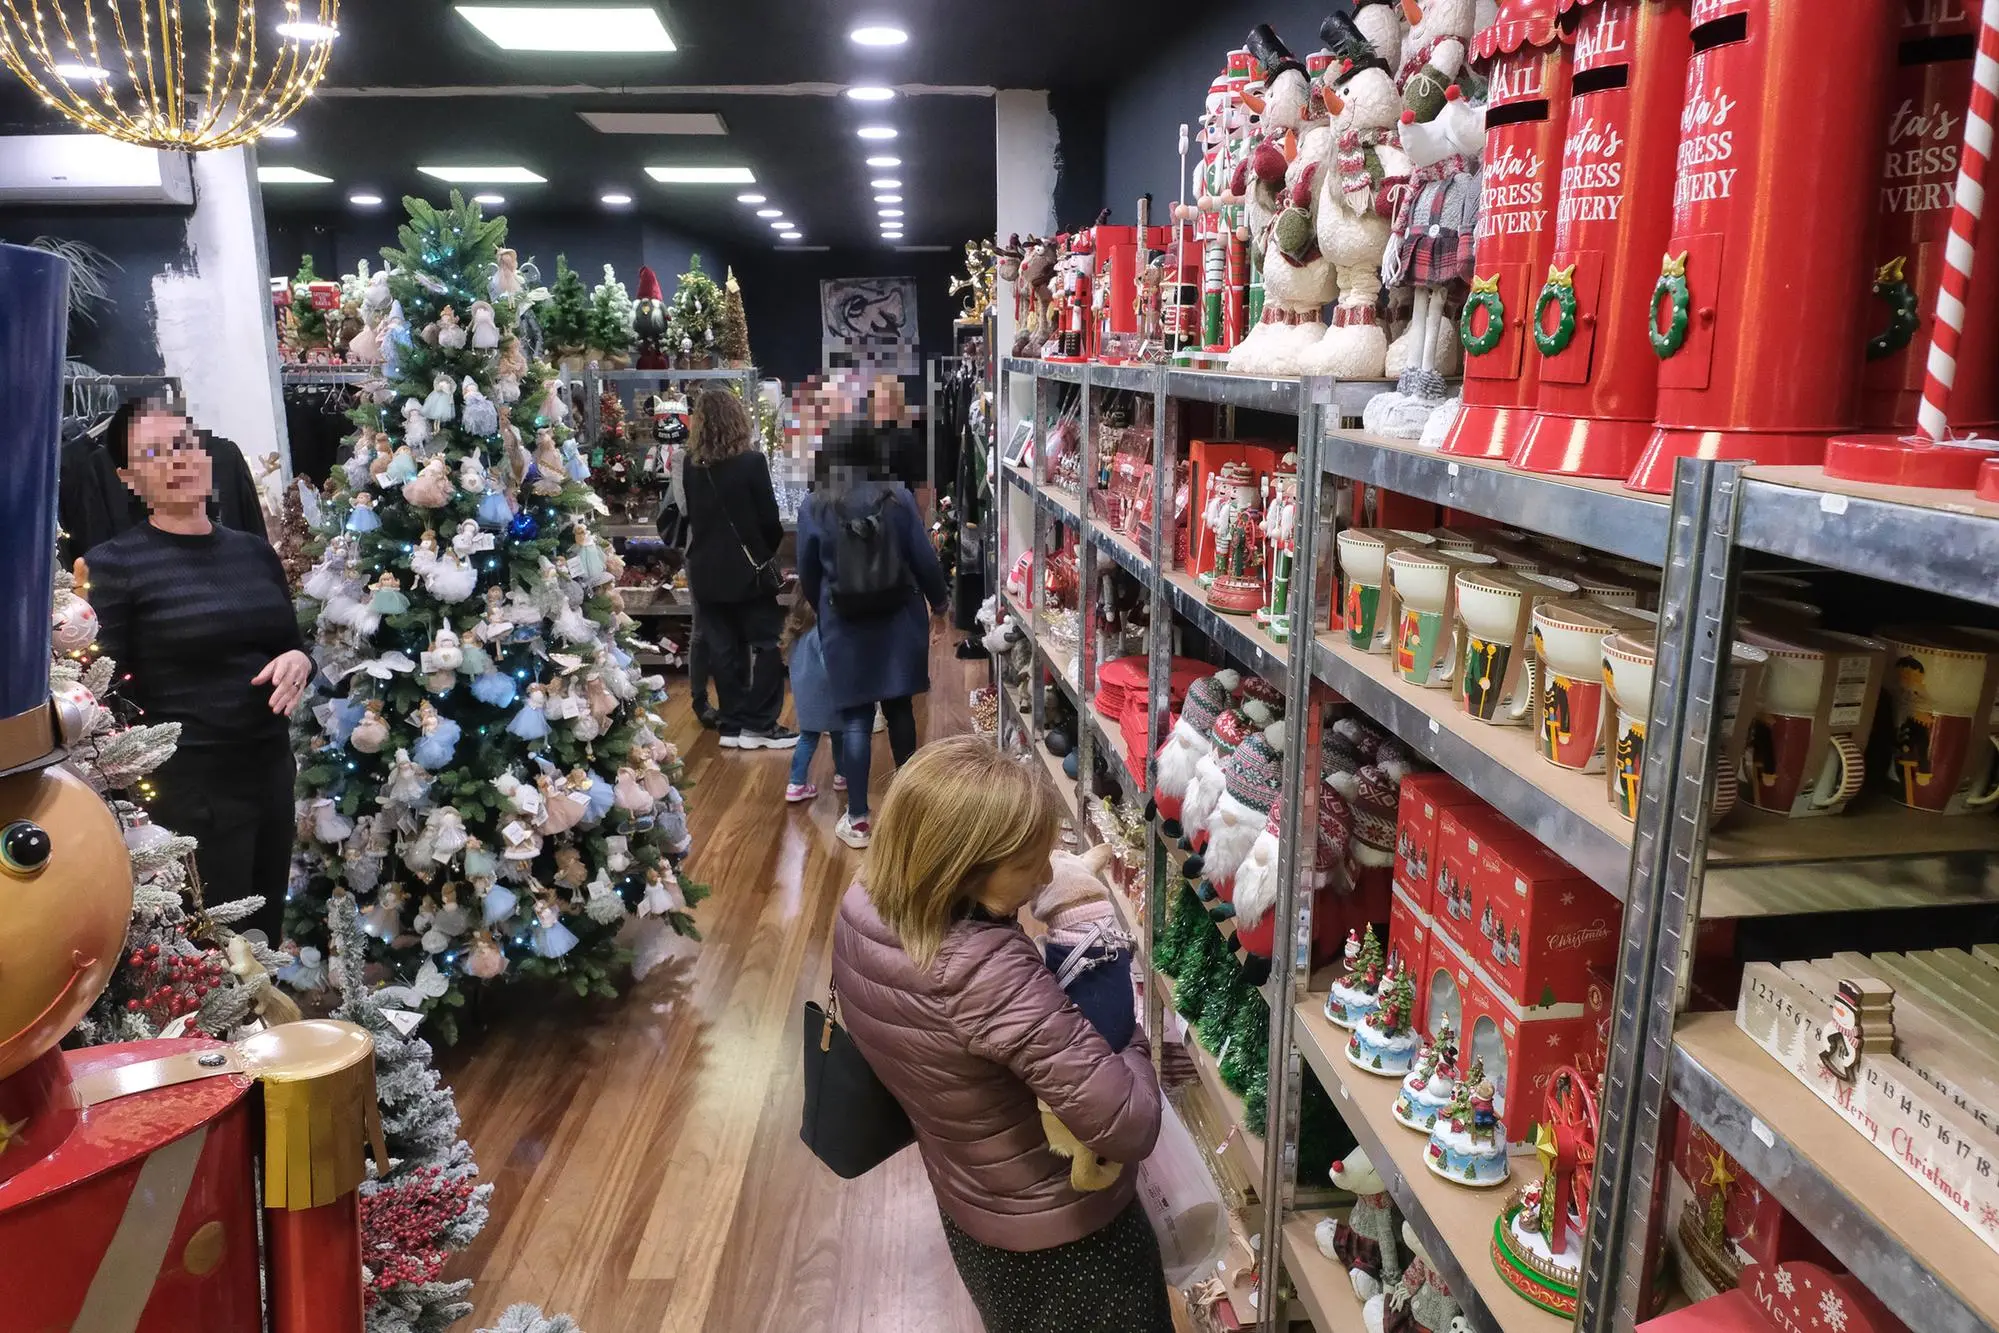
x: 1176, y: 944
x: 1219, y: 1012
x: 1904, y: 314
x: 1672, y: 286
x: 1560, y: 292
x: 1484, y: 296
x: 1249, y: 1041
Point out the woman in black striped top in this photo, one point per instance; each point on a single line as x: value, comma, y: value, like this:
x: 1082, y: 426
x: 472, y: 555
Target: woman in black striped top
x: 200, y: 618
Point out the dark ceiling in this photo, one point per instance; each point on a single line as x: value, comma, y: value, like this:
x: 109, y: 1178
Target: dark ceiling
x: 411, y: 82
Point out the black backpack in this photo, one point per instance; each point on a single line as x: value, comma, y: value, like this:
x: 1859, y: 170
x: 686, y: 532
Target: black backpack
x: 870, y: 577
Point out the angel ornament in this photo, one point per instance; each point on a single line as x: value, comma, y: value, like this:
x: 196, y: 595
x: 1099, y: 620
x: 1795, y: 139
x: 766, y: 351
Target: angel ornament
x: 372, y: 731
x: 442, y: 405
x: 416, y: 429
x: 440, y: 662
x: 431, y: 488
x: 587, y: 562
x: 480, y: 416
x: 470, y: 539
x: 495, y: 626
x: 662, y: 892
x: 547, y: 462
x: 485, y: 333
x: 450, y: 333
x: 562, y: 809
x: 407, y: 784
x: 506, y: 279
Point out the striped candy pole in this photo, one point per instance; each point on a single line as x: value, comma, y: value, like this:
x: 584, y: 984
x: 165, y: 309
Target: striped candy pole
x: 1932, y: 417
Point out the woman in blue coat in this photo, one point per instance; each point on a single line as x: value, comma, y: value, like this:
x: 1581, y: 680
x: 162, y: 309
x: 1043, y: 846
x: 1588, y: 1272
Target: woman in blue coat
x: 870, y: 659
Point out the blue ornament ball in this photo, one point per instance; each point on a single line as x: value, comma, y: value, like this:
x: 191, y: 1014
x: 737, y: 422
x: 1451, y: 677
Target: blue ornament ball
x: 523, y: 528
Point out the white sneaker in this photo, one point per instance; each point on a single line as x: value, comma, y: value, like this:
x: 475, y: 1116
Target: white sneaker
x: 881, y: 720
x: 853, y: 833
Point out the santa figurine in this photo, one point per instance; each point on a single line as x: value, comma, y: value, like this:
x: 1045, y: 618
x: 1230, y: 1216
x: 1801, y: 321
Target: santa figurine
x: 649, y: 323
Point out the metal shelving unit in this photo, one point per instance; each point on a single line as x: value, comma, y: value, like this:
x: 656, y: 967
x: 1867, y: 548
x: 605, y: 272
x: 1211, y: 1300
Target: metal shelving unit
x: 1926, y: 1266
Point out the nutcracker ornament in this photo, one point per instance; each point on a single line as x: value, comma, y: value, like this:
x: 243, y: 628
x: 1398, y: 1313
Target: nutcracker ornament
x: 1226, y: 126
x: 1524, y: 57
x: 1599, y: 376
x: 1280, y: 542
x: 1765, y: 172
x: 1235, y: 516
x: 128, y: 1182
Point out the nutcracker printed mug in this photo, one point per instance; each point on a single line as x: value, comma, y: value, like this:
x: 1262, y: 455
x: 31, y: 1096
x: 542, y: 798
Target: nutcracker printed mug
x: 1630, y: 660
x: 1804, y: 752
x: 1425, y: 649
x: 1568, y: 646
x: 1363, y: 565
x: 1496, y: 682
x: 1940, y: 688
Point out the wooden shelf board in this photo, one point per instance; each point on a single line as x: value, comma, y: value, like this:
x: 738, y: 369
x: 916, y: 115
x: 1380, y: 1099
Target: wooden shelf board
x: 1323, y: 1286
x: 1246, y: 1143
x: 1125, y: 544
x: 1916, y: 497
x: 1463, y: 1218
x: 1246, y: 626
x: 1872, y: 826
x: 1063, y: 783
x: 1818, y: 1137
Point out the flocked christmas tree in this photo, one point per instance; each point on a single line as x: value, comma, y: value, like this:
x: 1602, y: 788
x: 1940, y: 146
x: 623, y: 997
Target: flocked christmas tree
x: 733, y: 344
x: 695, y: 315
x: 565, y: 315
x: 485, y: 773
x: 610, y: 327
x: 184, y: 971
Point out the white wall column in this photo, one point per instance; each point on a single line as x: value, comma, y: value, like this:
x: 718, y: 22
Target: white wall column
x: 1025, y: 143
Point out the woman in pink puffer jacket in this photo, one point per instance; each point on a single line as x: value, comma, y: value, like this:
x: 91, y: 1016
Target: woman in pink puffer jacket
x: 959, y: 1016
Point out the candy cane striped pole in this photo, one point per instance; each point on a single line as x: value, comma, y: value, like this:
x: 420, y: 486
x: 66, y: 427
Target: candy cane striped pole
x: 1932, y: 417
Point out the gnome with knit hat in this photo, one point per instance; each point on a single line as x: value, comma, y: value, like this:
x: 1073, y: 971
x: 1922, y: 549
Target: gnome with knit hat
x: 1187, y: 743
x: 1205, y: 790
x: 1252, y: 782
x: 649, y: 322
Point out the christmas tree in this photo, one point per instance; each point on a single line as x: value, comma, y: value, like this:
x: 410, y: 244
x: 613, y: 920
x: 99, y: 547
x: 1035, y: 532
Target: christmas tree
x: 696, y: 315
x: 530, y: 1319
x: 1174, y: 945
x: 611, y: 309
x: 308, y: 324
x: 483, y: 768
x: 184, y: 971
x: 733, y: 344
x: 565, y: 315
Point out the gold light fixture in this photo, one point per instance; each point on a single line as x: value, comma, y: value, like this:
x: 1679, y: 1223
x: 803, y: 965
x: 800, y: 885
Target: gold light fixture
x: 179, y: 74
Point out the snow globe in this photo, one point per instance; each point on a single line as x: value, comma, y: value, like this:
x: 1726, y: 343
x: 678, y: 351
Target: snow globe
x: 1428, y: 1088
x: 1385, y: 1041
x: 1468, y: 1142
x: 1354, y: 996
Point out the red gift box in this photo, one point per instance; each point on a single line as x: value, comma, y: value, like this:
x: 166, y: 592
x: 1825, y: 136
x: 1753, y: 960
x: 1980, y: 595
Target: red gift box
x: 1719, y: 1218
x: 1462, y: 834
x: 1424, y: 796
x: 1522, y: 1045
x: 1409, y: 938
x: 1793, y: 1297
x: 1539, y: 924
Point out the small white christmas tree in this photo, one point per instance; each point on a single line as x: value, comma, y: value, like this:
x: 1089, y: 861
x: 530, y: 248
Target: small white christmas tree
x: 611, y: 316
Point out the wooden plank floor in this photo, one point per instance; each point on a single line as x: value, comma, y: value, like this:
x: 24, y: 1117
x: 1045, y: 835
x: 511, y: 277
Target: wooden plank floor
x: 645, y: 1153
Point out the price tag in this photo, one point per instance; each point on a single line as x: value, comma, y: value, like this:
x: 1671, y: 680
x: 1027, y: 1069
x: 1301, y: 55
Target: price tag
x: 1433, y: 725
x: 1450, y: 469
x: 1762, y: 1132
x: 1832, y: 504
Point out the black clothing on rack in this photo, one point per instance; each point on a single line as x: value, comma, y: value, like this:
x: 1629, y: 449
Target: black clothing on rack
x: 94, y: 506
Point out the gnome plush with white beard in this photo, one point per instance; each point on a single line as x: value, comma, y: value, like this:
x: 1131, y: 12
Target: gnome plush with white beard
x: 1206, y: 788
x: 1188, y: 742
x: 1252, y: 780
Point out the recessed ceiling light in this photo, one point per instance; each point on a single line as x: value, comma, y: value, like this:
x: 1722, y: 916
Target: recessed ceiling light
x: 615, y: 200
x: 875, y: 132
x: 871, y: 93
x: 492, y: 200
x: 884, y: 161
x: 878, y: 35
x: 702, y: 175
x: 749, y: 199
x: 279, y: 132
x: 81, y: 72
x: 365, y: 200
x: 615, y: 29
x: 484, y: 175
x: 781, y: 225
x: 888, y: 198
x: 791, y: 235
x: 301, y: 31
x: 886, y: 183
x: 890, y: 212
x: 770, y: 212
x: 290, y: 176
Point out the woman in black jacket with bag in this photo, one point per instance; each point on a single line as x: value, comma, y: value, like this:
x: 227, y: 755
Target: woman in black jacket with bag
x: 733, y: 535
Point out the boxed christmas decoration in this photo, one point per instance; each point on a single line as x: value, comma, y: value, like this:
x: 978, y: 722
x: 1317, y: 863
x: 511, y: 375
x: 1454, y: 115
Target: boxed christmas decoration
x: 1540, y: 924
x: 1720, y: 1219
x: 1522, y: 1045
x: 1425, y: 796
x: 1794, y: 1297
x: 1462, y: 833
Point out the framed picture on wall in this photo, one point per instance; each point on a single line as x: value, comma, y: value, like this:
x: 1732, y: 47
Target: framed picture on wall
x: 869, y: 324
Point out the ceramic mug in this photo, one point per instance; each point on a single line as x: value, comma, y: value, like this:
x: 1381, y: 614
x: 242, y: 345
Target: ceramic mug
x: 1458, y: 541
x: 1497, y: 635
x: 1568, y: 645
x: 1425, y: 648
x: 1942, y: 748
x: 1630, y: 663
x: 1363, y: 564
x: 1811, y: 674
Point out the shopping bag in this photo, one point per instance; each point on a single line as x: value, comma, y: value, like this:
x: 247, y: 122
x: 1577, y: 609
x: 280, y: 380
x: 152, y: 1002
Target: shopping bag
x: 1183, y: 1202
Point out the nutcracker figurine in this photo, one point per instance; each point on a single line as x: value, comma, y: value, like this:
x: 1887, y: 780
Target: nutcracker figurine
x: 1236, y: 519
x: 128, y: 1185
x: 1280, y: 532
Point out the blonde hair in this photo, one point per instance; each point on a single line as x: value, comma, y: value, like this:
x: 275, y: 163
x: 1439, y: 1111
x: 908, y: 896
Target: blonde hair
x: 719, y: 427
x: 959, y: 809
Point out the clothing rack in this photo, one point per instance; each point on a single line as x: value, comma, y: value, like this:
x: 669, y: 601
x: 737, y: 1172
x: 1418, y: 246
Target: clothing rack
x: 89, y: 396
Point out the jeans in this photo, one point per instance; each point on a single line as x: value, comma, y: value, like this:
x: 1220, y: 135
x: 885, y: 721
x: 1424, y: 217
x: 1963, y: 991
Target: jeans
x: 237, y: 800
x: 857, y: 726
x: 807, y: 747
x: 742, y: 651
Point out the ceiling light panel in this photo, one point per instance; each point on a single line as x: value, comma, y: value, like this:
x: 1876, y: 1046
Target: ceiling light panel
x: 888, y: 198
x: 615, y: 200
x: 702, y: 175
x: 871, y: 93
x: 875, y: 132
x: 608, y: 29
x: 884, y: 161
x: 279, y: 132
x: 654, y: 122
x: 749, y: 199
x: 490, y: 200
x: 886, y: 183
x: 878, y: 35
x: 290, y: 176
x: 485, y: 175
x: 365, y: 200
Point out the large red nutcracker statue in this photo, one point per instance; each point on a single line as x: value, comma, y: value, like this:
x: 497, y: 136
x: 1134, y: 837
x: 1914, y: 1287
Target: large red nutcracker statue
x: 1599, y: 375
x: 1758, y: 307
x: 128, y: 1182
x: 1526, y: 59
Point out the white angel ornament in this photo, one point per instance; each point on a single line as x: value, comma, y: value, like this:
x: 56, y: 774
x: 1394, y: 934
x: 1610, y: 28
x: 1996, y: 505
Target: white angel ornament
x: 480, y: 416
x: 471, y: 539
x: 416, y: 429
x: 485, y: 333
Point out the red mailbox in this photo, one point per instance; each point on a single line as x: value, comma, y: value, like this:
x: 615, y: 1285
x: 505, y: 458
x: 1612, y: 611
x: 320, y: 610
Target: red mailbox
x: 1918, y: 178
x: 1599, y: 375
x: 1757, y: 310
x: 1525, y: 57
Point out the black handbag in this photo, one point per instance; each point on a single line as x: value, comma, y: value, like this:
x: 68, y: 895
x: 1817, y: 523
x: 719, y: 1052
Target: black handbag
x: 852, y: 1123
